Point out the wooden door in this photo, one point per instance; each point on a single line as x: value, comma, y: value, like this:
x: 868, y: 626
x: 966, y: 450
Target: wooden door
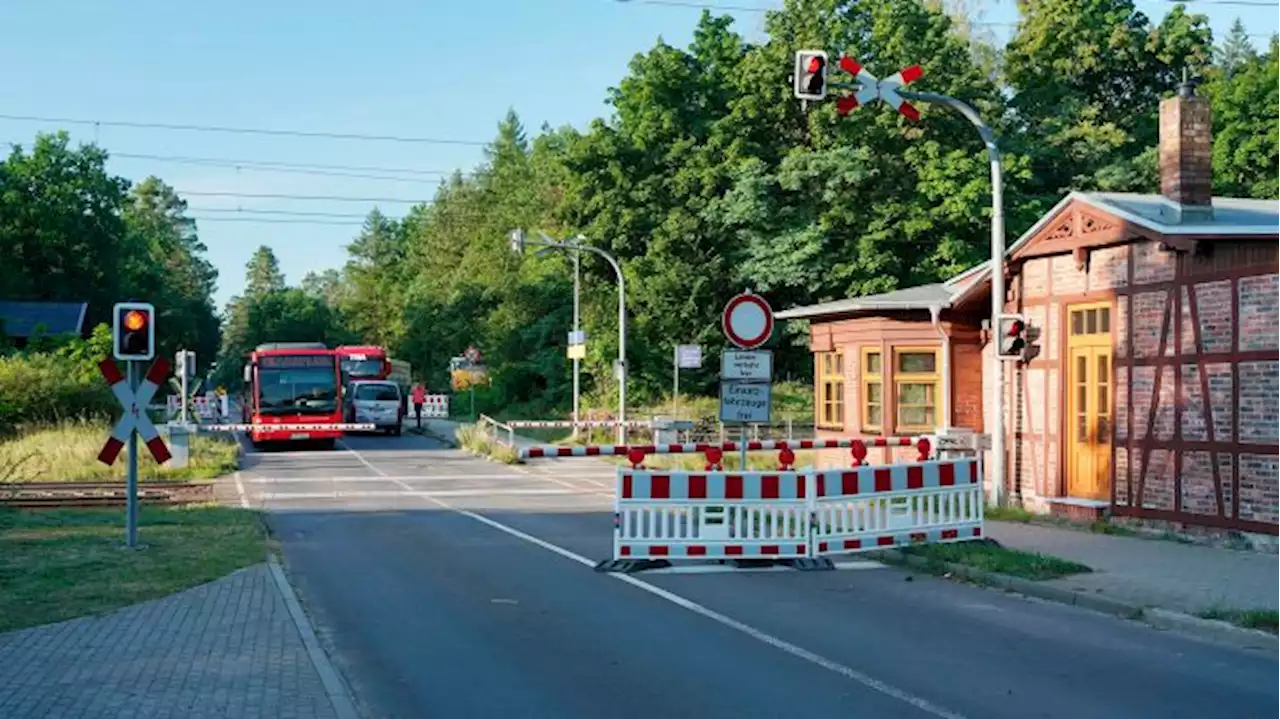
x: 1089, y: 386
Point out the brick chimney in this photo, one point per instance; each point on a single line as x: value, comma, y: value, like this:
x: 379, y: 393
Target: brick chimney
x: 1186, y: 153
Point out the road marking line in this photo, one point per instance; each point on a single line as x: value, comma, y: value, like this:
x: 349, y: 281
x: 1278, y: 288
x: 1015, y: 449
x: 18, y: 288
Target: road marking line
x: 244, y: 500
x: 363, y: 478
x: 781, y: 644
x: 373, y: 494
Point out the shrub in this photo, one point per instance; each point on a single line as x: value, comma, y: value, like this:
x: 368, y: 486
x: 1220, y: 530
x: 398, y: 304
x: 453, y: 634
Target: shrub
x: 41, y: 389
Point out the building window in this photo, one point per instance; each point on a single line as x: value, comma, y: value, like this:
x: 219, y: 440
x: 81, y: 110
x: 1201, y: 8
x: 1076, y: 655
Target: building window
x: 830, y: 399
x: 916, y: 384
x: 872, y: 390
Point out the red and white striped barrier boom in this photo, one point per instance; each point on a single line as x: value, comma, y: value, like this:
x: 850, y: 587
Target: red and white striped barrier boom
x: 281, y: 427
x: 666, y: 515
x: 715, y: 452
x: 135, y: 410
x: 553, y: 423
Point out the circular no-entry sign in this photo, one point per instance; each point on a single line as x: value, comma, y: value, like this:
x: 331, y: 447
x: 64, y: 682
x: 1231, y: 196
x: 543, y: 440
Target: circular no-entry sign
x: 748, y: 321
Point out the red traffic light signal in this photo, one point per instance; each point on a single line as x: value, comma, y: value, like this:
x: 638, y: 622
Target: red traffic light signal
x: 133, y: 333
x: 1011, y: 337
x: 810, y: 80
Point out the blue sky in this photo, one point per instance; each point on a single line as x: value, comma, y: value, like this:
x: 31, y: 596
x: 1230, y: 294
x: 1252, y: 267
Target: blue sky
x: 413, y: 68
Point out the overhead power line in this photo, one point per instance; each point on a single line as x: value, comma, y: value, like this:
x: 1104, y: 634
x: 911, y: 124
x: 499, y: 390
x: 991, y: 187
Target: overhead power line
x: 285, y: 196
x: 285, y: 168
x: 246, y: 130
x: 279, y: 221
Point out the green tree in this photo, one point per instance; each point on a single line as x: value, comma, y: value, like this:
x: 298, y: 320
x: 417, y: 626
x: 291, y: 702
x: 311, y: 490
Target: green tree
x: 1246, y: 105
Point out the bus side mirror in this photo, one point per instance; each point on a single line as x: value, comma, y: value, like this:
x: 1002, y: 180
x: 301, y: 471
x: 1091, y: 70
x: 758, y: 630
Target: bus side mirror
x: 248, y: 374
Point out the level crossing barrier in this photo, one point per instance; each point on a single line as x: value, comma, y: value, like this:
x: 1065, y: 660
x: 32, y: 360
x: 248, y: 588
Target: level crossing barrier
x: 279, y: 427
x: 801, y: 518
x: 583, y: 424
x: 714, y: 452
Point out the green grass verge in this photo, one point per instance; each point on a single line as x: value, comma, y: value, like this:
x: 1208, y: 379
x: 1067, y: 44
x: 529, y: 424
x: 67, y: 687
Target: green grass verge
x: 69, y: 453
x: 990, y: 558
x: 62, y: 564
x: 1267, y: 620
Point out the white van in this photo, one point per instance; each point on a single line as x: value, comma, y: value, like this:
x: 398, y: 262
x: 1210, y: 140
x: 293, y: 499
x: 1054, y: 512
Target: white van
x: 375, y: 402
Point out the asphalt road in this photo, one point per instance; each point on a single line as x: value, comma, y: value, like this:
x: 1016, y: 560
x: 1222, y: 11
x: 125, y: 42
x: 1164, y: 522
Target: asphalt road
x: 448, y: 586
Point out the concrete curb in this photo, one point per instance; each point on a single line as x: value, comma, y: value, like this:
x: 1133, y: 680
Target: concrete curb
x: 343, y: 704
x: 1208, y: 629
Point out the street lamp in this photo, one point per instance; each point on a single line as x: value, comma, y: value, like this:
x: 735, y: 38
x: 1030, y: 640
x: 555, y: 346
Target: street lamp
x: 519, y: 240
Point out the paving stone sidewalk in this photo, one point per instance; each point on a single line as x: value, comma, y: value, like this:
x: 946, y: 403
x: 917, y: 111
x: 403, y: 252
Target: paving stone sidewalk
x: 1151, y: 572
x: 229, y: 648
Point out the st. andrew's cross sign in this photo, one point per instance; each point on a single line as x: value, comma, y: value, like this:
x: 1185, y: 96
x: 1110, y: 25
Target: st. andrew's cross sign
x: 135, y: 404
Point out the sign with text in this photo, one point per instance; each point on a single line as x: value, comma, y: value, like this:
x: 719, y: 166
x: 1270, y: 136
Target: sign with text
x: 754, y: 366
x: 745, y: 402
x: 688, y: 356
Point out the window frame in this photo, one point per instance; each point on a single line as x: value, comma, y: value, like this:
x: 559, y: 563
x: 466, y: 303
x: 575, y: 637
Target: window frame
x: 866, y: 379
x: 822, y: 397
x: 933, y: 378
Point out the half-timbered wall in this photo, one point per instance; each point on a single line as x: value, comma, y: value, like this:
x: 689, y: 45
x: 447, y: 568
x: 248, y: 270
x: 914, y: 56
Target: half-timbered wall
x: 1185, y: 326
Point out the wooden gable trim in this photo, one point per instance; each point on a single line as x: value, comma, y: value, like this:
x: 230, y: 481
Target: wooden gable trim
x: 1079, y: 227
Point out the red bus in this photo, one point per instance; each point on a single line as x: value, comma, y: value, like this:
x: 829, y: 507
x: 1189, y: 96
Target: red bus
x: 372, y: 362
x: 295, y: 384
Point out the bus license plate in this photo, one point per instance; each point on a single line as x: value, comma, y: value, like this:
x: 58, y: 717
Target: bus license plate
x: 300, y: 435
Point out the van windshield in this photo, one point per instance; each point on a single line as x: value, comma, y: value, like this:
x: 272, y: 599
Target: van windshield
x: 377, y: 393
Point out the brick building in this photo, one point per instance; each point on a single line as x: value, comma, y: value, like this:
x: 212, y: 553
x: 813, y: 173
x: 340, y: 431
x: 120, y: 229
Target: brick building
x: 1139, y: 306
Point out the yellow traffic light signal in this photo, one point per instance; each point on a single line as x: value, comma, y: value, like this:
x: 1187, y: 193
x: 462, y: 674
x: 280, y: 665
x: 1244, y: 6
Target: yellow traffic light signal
x: 134, y: 331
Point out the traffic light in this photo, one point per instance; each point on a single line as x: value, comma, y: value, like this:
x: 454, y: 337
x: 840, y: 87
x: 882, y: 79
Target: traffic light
x: 1011, y: 337
x: 811, y: 75
x: 133, y: 337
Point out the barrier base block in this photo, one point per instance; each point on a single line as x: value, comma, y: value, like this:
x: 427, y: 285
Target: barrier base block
x: 812, y: 564
x: 630, y: 566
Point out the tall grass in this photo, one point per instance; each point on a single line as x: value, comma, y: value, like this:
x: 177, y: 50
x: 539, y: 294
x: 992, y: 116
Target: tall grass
x: 68, y: 452
x: 474, y: 439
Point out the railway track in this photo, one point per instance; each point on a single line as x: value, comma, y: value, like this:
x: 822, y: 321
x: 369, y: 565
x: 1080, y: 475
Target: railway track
x: 53, y: 495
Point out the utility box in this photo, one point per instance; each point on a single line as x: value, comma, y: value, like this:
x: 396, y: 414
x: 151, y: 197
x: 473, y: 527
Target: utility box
x: 179, y: 441
x: 667, y: 430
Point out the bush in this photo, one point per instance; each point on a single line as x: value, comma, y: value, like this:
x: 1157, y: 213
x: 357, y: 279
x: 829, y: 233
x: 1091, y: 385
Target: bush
x: 42, y: 389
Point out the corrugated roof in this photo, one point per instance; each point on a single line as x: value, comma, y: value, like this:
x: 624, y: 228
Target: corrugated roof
x: 920, y: 297
x: 20, y: 319
x: 1231, y: 215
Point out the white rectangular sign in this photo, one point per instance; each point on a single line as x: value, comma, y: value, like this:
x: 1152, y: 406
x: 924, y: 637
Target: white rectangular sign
x: 688, y: 356
x: 756, y: 366
x: 747, y: 402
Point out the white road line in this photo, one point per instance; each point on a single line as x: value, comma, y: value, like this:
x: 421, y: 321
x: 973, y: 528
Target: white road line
x: 417, y: 493
x: 244, y: 500
x: 364, y: 478
x: 781, y: 644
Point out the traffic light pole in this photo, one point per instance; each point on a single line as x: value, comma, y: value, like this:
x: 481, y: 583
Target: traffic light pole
x: 131, y: 479
x: 997, y: 275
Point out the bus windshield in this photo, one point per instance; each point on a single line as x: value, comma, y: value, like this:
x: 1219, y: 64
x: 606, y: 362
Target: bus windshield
x: 305, y: 390
x: 362, y: 367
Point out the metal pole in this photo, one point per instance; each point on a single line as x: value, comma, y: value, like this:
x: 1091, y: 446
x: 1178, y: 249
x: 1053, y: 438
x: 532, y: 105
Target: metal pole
x: 577, y: 363
x: 997, y: 274
x: 131, y: 478
x: 622, y: 353
x: 675, y: 388
x: 182, y: 363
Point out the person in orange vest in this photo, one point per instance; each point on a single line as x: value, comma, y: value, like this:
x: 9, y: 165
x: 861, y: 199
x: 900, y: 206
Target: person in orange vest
x: 419, y: 398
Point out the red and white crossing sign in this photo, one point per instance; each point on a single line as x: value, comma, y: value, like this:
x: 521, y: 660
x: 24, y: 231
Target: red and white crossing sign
x: 871, y: 88
x: 135, y: 404
x: 748, y: 320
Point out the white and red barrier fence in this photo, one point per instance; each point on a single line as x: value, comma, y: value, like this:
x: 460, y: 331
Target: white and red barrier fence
x: 802, y: 517
x: 636, y: 453
x: 436, y: 406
